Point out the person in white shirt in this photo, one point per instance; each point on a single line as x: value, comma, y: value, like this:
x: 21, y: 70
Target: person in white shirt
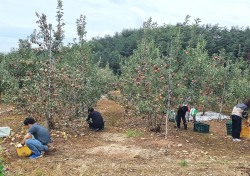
x: 239, y: 111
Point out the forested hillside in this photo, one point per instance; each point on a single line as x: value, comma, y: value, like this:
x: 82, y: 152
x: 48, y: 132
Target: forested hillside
x: 235, y: 41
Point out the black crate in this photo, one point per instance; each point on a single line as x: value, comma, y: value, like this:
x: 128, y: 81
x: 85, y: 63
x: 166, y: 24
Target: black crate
x: 201, y: 127
x: 229, y: 127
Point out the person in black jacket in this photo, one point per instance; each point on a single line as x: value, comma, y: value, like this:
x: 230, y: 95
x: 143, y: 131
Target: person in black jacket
x: 181, y: 112
x: 95, y: 120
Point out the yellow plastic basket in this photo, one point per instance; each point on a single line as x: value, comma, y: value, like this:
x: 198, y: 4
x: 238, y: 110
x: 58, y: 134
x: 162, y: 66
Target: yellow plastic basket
x: 245, y: 132
x: 23, y: 151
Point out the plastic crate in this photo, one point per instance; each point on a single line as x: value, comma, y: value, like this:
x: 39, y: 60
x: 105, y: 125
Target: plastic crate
x: 201, y: 127
x: 229, y: 127
x: 245, y: 132
x: 171, y: 116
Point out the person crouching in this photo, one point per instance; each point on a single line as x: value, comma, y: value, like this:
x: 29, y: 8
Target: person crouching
x: 37, y: 138
x: 95, y: 120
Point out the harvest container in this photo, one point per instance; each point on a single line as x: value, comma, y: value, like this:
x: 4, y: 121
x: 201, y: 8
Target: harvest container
x: 201, y: 127
x: 23, y: 151
x: 229, y: 127
x: 245, y: 132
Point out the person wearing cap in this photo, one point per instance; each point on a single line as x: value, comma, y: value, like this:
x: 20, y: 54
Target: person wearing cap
x: 95, y: 120
x: 37, y: 138
x: 239, y: 111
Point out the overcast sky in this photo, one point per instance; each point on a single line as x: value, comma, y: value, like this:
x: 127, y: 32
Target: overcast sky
x: 18, y: 19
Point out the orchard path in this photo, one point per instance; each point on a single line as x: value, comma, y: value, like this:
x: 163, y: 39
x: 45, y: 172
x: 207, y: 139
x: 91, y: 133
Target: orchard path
x: 112, y: 153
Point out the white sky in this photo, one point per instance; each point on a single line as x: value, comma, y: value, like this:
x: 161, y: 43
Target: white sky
x: 18, y: 19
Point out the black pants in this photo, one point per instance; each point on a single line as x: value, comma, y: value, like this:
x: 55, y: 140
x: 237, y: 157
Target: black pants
x: 236, y: 126
x: 96, y: 126
x: 178, y: 121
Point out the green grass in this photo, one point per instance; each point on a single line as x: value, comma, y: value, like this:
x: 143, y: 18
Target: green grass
x: 134, y: 133
x: 183, y: 163
x: 39, y: 173
x: 1, y: 167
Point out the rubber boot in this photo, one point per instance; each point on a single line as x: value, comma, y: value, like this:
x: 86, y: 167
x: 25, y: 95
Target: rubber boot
x: 185, y: 126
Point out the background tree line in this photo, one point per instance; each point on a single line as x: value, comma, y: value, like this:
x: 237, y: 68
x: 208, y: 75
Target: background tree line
x: 112, y: 49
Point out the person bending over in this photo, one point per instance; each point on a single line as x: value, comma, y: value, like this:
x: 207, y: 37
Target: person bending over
x: 181, y: 112
x: 239, y: 111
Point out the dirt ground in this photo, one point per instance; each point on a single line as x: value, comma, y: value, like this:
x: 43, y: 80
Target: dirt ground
x: 112, y: 152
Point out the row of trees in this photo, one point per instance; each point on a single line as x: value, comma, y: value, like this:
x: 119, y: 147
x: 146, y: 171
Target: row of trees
x: 52, y: 80
x: 154, y: 82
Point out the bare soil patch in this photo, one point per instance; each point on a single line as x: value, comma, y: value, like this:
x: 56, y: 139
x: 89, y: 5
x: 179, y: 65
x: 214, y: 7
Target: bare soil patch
x: 111, y: 152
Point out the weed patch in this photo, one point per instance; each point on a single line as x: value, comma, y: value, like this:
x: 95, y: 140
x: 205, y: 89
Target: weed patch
x: 134, y: 133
